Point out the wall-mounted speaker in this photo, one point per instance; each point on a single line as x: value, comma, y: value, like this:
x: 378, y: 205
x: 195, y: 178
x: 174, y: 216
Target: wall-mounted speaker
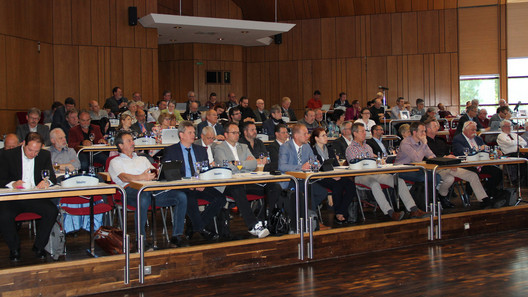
x: 132, y: 16
x: 278, y: 38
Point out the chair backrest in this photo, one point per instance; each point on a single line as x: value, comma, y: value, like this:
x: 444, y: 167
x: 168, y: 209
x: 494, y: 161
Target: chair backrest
x: 79, y: 200
x: 108, y: 161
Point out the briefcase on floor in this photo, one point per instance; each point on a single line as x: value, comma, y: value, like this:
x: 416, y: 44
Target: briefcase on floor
x: 443, y: 161
x: 110, y: 239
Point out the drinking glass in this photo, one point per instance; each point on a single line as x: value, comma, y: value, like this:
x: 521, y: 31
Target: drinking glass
x: 238, y: 165
x: 56, y: 167
x: 45, y: 174
x: 92, y: 137
x: 466, y: 151
x: 197, y: 169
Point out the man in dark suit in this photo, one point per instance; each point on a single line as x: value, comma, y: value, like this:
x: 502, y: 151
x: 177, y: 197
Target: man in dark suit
x: 376, y: 142
x: 261, y: 114
x: 469, y: 139
x: 471, y: 115
x: 193, y: 114
x: 281, y: 136
x: 286, y: 110
x: 190, y: 153
x: 15, y: 162
x: 141, y: 126
x: 33, y: 118
x: 211, y: 119
x: 59, y: 116
x: 340, y: 145
x: 268, y: 126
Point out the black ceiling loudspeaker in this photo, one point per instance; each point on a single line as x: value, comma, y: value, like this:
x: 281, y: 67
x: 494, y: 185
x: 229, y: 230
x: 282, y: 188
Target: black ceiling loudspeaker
x: 278, y: 38
x: 132, y: 16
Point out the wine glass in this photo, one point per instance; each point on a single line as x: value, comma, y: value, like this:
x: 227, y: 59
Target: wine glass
x: 466, y: 151
x: 56, y: 167
x: 92, y: 137
x: 91, y: 170
x: 268, y: 158
x: 45, y: 174
x: 197, y: 169
x: 238, y: 165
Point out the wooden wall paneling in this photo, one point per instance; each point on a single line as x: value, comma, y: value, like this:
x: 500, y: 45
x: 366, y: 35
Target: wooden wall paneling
x: 81, y: 23
x: 62, y: 19
x: 368, y: 33
x: 409, y: 33
x: 234, y: 11
x: 272, y: 94
x: 124, y: 32
x: 5, y: 8
x: 100, y: 22
x: 146, y: 72
x: 108, y: 84
x: 451, y: 30
x: 66, y: 72
x: 390, y: 6
x: 443, y: 78
x: 328, y: 38
x: 297, y: 44
x: 380, y: 35
x: 132, y: 73
x: 346, y: 36
x: 416, y: 77
x: 405, y: 78
x: 154, y: 63
x: 140, y: 33
x: 20, y: 14
x: 22, y: 76
x: 441, y: 31
x: 359, y: 38
x: 3, y: 71
x: 152, y: 6
x: 478, y: 40
x: 503, y: 75
x: 439, y: 4
x: 41, y: 18
x: 354, y: 80
x: 323, y: 79
x: 428, y: 33
x: 328, y: 10
x: 400, y: 90
x: 301, y: 10
x: 313, y: 9
x: 203, y: 8
x: 221, y: 9
x: 116, y: 70
x: 473, y: 3
x: 271, y: 52
x: 45, y: 75
x: 450, y: 4
x: 254, y: 81
x: 101, y: 77
x: 152, y: 37
x: 311, y: 42
x: 362, y: 34
x: 376, y: 74
x: 392, y: 79
x: 418, y: 5
x: 88, y: 73
x: 364, y: 7
x: 396, y: 34
x: 308, y: 85
x: 403, y: 5
x: 284, y: 50
x: 341, y: 80
x: 226, y: 53
x: 429, y: 79
x: 112, y: 4
x: 455, y: 80
x: 238, y: 53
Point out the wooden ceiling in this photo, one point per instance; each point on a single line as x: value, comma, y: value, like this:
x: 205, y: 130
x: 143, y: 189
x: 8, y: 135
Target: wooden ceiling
x: 264, y: 10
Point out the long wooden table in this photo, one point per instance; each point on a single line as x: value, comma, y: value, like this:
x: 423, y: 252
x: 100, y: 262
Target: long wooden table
x: 109, y: 148
x: 237, y: 179
x: 59, y: 192
x: 341, y: 172
x: 434, y: 168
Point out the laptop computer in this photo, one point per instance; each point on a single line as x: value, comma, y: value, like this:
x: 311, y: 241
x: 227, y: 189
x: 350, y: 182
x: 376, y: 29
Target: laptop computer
x: 325, y: 107
x: 169, y: 136
x: 181, y: 106
x: 169, y: 171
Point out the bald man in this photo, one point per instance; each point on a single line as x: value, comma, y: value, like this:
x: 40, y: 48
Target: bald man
x: 211, y: 120
x: 261, y: 114
x: 96, y: 113
x: 11, y: 141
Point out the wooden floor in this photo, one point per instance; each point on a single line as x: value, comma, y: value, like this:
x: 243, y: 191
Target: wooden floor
x: 490, y: 265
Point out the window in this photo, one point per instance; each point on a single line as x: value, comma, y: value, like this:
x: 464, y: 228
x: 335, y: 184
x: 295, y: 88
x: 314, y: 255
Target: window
x: 517, y: 80
x: 485, y: 88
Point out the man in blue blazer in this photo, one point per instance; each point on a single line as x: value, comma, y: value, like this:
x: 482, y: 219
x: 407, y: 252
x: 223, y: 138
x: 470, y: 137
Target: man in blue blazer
x: 211, y: 120
x: 181, y: 151
x: 294, y: 156
x: 469, y: 139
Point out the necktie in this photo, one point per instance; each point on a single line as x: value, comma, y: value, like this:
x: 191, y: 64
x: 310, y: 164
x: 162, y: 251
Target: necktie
x: 299, y: 156
x: 143, y: 130
x: 189, y: 159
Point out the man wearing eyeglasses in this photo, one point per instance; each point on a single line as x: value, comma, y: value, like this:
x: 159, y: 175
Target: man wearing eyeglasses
x: 32, y: 125
x: 340, y: 145
x: 376, y: 142
x: 212, y: 121
x: 234, y: 152
x: 206, y: 140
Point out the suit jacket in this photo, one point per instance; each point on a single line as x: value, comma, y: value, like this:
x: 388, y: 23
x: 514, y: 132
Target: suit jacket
x: 59, y: 118
x: 273, y: 150
x: 464, y: 119
x: 331, y: 155
x: 288, y: 156
x: 12, y: 166
x: 43, y: 130
x: 174, y: 152
x: 76, y: 136
x: 269, y: 125
x: 460, y: 142
x: 494, y: 122
x: 340, y: 145
x: 222, y: 152
x: 218, y: 128
x: 258, y: 148
x: 289, y: 113
x: 135, y: 127
x: 258, y: 117
x: 375, y: 146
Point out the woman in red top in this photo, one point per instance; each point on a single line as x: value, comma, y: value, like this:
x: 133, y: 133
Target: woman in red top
x: 353, y: 113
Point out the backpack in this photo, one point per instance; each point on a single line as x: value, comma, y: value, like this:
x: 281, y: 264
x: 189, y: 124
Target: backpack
x: 56, y: 245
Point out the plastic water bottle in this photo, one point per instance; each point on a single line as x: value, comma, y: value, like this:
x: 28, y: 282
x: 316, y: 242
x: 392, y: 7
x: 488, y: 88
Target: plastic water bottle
x: 378, y: 160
